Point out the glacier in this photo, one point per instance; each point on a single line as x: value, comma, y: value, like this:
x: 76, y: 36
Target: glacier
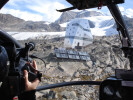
x: 35, y: 35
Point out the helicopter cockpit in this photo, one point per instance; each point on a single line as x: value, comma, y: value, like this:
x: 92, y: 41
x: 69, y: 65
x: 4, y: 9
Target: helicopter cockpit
x: 117, y: 87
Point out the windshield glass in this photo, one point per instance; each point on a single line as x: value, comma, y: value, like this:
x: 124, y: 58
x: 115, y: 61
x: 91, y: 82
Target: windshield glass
x: 77, y: 45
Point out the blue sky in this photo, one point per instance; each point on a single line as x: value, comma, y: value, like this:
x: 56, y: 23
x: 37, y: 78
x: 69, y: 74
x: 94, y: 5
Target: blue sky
x: 45, y: 10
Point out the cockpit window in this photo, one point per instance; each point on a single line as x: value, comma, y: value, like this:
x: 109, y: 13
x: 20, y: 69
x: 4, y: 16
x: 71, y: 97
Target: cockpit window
x: 77, y: 45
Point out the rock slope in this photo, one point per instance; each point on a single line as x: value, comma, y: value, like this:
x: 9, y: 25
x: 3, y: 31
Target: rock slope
x: 105, y: 58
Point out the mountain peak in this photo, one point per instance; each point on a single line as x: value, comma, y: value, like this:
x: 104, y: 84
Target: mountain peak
x: 7, y: 19
x: 67, y: 16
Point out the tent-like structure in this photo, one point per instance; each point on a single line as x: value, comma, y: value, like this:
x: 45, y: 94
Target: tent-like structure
x: 78, y: 33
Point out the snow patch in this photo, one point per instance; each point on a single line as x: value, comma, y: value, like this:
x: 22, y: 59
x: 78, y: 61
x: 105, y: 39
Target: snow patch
x: 47, y: 23
x: 64, y: 24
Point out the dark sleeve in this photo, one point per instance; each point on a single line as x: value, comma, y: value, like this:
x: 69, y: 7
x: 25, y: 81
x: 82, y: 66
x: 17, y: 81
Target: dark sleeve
x: 30, y: 95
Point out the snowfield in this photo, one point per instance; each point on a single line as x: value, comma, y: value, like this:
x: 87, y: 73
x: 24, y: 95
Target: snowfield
x: 103, y: 25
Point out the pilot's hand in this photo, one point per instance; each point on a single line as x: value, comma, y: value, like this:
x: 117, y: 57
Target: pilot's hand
x: 30, y: 85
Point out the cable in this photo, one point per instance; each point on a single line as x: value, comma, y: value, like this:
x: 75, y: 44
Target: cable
x: 120, y: 36
x: 32, y: 56
x: 68, y: 84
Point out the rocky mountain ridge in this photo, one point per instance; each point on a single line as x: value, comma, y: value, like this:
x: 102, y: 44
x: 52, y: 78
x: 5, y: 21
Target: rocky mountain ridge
x: 14, y: 24
x: 67, y: 16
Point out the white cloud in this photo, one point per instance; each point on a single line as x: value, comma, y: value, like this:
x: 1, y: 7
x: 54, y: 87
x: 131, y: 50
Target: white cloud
x: 12, y: 2
x: 15, y: 2
x: 121, y: 9
x: 43, y: 9
x: 49, y: 9
x: 129, y: 12
x: 22, y: 14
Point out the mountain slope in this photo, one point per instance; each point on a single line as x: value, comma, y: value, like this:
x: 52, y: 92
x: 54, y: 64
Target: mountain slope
x: 11, y: 23
x: 86, y: 13
x: 9, y: 19
x: 66, y: 16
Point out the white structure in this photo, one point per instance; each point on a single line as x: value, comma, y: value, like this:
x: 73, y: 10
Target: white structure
x: 78, y: 33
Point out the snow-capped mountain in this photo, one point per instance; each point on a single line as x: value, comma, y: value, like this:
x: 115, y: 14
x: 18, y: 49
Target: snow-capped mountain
x: 86, y: 13
x: 68, y: 15
x: 100, y: 25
